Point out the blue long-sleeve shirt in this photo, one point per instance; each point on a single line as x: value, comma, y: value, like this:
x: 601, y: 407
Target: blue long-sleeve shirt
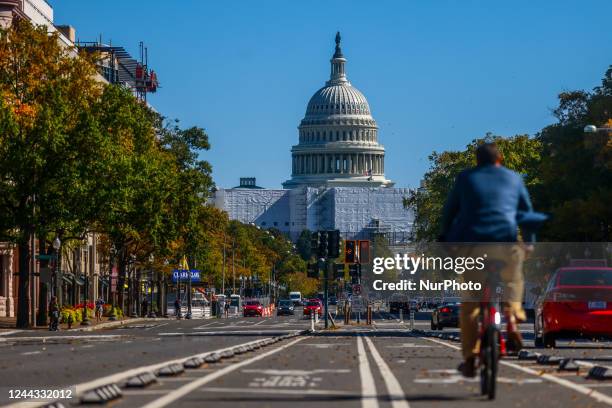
x: 483, y: 205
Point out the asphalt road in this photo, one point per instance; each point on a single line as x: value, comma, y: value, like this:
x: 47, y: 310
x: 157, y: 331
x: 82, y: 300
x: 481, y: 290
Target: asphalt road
x: 382, y: 365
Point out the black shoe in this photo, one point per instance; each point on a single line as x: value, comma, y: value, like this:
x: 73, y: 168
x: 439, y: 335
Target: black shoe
x: 468, y: 368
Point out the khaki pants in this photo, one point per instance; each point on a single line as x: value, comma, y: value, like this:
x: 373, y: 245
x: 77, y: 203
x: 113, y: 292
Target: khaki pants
x: 511, y: 275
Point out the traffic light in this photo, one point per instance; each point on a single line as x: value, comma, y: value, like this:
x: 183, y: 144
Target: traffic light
x: 349, y: 251
x: 338, y: 271
x: 364, y: 252
x: 323, y: 242
x: 333, y: 243
x: 312, y: 271
x: 314, y: 243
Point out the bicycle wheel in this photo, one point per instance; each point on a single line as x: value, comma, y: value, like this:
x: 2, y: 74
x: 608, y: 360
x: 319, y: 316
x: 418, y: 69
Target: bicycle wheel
x: 489, y: 355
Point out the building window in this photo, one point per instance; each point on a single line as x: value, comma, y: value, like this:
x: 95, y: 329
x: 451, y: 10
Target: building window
x: 263, y: 223
x: 286, y: 224
x: 275, y: 223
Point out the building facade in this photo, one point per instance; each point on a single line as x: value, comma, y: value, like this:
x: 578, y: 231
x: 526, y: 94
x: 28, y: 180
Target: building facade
x: 337, y: 173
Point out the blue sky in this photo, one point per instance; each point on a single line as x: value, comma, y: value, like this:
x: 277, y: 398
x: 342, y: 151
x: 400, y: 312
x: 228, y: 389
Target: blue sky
x: 437, y: 74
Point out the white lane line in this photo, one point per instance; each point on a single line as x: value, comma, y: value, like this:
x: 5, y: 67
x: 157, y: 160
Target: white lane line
x: 30, y: 353
x: 6, y: 333
x: 598, y: 396
x: 398, y: 398
x: 223, y: 332
x: 156, y: 326
x: 258, y: 323
x: 274, y: 391
x: 194, y: 385
x: 369, y: 398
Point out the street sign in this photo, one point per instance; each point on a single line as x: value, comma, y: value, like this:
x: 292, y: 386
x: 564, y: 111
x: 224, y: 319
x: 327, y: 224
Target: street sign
x: 45, y: 257
x: 357, y: 303
x: 182, y: 275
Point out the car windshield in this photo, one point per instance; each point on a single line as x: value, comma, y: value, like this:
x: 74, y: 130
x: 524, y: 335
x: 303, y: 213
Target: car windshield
x: 252, y: 303
x: 313, y: 303
x: 586, y: 277
x: 285, y: 303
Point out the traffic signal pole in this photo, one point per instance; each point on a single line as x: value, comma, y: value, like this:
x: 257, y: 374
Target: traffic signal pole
x: 328, y: 266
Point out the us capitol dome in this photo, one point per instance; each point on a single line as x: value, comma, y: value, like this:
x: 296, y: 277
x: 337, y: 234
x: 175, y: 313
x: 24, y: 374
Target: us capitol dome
x: 338, y: 137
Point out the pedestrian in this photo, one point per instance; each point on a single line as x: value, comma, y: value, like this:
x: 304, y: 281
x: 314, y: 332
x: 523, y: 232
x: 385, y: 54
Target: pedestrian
x: 177, y: 308
x: 227, y: 308
x: 145, y: 307
x: 99, y: 309
x: 54, y: 314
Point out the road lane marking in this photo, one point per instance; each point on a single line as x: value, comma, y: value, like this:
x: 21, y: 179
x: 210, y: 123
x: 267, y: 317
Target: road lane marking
x: 6, y: 333
x: 225, y: 332
x: 410, y: 345
x: 273, y: 371
x: 30, y: 353
x: 194, y: 385
x: 369, y: 397
x: 396, y: 393
x: 274, y: 391
x: 598, y: 396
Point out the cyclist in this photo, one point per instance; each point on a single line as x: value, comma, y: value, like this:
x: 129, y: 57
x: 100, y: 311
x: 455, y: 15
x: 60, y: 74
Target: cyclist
x: 482, y: 208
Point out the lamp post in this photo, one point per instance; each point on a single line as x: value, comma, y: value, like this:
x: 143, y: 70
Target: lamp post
x: 85, y: 321
x: 111, y: 298
x: 57, y: 244
x: 188, y: 315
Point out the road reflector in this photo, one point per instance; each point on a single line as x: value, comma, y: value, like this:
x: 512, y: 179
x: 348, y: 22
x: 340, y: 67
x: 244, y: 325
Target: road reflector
x: 141, y: 380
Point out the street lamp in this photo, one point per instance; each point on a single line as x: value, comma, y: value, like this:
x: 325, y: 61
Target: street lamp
x: 57, y: 244
x: 85, y: 321
x: 595, y: 129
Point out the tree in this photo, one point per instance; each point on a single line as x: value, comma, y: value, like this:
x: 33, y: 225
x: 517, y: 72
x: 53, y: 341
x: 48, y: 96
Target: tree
x: 303, y: 244
x: 521, y: 153
x: 47, y: 139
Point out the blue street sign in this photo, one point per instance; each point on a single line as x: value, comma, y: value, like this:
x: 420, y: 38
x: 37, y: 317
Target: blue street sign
x: 183, y: 274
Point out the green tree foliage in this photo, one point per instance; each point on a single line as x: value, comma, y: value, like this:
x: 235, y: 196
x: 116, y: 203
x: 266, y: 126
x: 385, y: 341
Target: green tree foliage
x: 521, y: 153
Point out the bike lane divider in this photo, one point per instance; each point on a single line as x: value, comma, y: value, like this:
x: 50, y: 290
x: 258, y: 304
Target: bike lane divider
x: 309, y: 370
x: 580, y: 394
x: 109, y: 387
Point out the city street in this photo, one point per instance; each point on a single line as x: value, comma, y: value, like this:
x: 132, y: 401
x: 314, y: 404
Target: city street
x: 382, y: 365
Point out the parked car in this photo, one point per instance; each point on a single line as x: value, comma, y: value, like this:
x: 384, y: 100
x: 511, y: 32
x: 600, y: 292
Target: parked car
x: 445, y: 315
x: 285, y: 307
x: 313, y: 306
x: 252, y: 308
x: 577, y: 302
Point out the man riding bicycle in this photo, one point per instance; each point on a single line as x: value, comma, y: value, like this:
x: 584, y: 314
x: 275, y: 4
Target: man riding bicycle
x: 482, y: 208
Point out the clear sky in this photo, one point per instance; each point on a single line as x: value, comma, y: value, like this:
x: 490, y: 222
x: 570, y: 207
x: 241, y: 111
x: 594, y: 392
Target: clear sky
x: 437, y: 74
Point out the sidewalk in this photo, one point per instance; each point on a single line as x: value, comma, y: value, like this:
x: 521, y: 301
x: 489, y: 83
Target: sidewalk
x: 7, y: 324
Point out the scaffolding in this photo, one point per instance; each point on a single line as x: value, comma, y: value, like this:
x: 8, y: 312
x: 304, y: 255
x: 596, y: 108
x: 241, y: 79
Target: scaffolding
x: 117, y: 66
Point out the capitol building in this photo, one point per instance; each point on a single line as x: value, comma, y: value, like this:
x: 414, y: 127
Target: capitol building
x: 337, y: 173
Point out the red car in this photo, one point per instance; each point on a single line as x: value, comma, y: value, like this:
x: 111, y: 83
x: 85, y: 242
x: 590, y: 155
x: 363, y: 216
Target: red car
x: 576, y: 303
x: 252, y: 308
x: 312, y: 306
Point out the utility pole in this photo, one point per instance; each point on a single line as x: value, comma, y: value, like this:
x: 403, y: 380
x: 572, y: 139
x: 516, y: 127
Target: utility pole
x: 223, y: 269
